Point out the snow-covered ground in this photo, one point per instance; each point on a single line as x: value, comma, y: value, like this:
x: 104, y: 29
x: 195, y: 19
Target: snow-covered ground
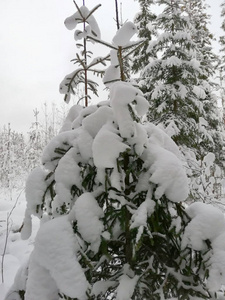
x: 13, y: 251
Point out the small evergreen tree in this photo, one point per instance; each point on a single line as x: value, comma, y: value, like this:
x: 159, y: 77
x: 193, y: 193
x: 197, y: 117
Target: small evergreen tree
x: 110, y: 194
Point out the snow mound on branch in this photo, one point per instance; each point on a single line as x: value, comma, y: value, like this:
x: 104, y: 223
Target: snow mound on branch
x: 94, y: 122
x: 84, y: 144
x: 67, y: 174
x: 139, y: 141
x: 199, y: 92
x: 36, y: 186
x: 161, y: 138
x: 111, y: 75
x: 124, y: 34
x: 84, y: 114
x: 83, y: 13
x: 172, y: 129
x: 19, y: 282
x: 122, y: 95
x: 87, y: 213
x: 107, y: 147
x: 127, y: 283
x: 47, y: 288
x: 168, y: 174
x: 69, y: 84
x: 54, y: 265
x: 71, y: 116
x: 101, y: 287
x: 57, y: 147
x: 207, y: 222
x: 140, y: 216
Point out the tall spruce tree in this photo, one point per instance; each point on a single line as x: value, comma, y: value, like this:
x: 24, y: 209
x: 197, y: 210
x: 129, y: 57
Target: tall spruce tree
x: 143, y: 20
x: 114, y: 226
x: 170, y: 80
x: 197, y: 13
x: 177, y: 83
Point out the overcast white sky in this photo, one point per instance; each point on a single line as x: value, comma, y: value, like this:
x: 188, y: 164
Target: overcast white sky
x: 36, y: 49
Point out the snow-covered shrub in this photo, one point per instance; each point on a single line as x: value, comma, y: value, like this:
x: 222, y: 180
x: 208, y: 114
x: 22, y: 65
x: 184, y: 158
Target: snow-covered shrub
x: 113, y: 225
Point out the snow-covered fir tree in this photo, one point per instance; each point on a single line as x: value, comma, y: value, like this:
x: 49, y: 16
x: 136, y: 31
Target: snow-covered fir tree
x: 177, y: 85
x: 110, y: 195
x: 143, y: 20
x: 197, y: 13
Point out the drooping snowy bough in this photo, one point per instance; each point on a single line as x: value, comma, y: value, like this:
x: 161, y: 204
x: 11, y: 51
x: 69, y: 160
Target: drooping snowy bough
x: 114, y: 227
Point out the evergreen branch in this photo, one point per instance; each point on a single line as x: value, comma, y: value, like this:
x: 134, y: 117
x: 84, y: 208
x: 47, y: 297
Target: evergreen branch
x: 133, y: 44
x: 101, y: 72
x: 92, y: 87
x: 102, y: 42
x: 78, y: 8
x: 81, y: 61
x: 111, y: 81
x: 79, y: 45
x: 93, y: 10
x: 90, y: 13
x: 69, y: 85
x: 100, y: 60
x: 49, y: 175
x: 133, y: 50
x: 83, y: 97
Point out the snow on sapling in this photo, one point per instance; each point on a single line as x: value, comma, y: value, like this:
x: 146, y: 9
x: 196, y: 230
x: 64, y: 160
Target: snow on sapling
x: 114, y: 225
x: 90, y: 28
x: 120, y: 46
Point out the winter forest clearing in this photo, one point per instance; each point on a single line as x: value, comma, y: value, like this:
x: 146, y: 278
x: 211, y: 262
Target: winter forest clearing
x: 124, y: 199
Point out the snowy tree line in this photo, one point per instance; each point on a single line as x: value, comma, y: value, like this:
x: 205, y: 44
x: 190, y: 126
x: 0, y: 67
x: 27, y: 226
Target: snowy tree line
x: 21, y: 152
x: 128, y: 191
